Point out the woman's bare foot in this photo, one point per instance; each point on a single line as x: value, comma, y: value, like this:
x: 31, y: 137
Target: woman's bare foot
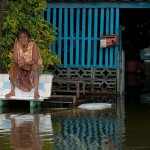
x: 10, y: 94
x: 36, y: 95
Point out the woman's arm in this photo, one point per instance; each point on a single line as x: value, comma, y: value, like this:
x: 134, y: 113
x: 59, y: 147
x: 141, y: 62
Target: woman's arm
x: 15, y: 56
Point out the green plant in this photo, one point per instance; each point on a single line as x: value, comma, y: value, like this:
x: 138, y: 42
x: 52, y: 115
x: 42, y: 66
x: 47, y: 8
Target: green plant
x: 27, y: 14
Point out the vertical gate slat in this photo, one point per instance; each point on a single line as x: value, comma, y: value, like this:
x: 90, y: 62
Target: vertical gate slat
x: 60, y: 34
x: 95, y: 37
x: 65, y: 36
x: 77, y: 37
x: 117, y: 33
x: 79, y: 32
x: 107, y: 23
x: 111, y: 32
x: 83, y: 35
x: 54, y: 23
x: 71, y: 35
x: 101, y: 33
x: 89, y: 37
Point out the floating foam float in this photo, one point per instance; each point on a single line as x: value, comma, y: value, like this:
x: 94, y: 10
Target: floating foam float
x: 95, y: 106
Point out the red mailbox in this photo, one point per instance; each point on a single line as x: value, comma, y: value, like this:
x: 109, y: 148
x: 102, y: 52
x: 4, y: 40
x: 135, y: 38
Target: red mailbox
x: 108, y: 40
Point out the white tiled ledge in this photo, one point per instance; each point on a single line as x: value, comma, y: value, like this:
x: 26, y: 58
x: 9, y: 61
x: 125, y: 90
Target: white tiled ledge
x: 45, y: 86
x: 22, y: 98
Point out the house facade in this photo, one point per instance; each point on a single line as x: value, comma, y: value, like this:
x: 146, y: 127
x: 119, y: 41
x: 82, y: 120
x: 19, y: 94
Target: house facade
x: 85, y: 29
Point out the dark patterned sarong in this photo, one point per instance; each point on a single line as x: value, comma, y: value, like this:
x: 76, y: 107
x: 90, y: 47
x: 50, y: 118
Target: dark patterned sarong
x: 24, y: 79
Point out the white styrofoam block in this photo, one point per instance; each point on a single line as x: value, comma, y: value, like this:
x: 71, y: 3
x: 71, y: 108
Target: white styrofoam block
x: 95, y: 106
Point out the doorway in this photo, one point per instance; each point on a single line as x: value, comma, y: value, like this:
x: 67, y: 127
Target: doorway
x: 135, y: 37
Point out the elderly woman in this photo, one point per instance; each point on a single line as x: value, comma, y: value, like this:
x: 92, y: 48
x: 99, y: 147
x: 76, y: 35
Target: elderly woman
x: 27, y: 65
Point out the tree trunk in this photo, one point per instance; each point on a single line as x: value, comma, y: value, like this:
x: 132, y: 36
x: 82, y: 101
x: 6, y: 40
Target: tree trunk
x: 2, y: 5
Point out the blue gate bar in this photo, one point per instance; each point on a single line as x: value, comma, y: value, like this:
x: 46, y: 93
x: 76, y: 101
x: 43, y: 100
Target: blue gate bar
x: 83, y: 36
x: 60, y: 34
x: 101, y: 33
x: 117, y: 33
x: 89, y: 37
x: 71, y: 35
x: 65, y: 37
x: 107, y: 25
x: 111, y: 32
x: 54, y: 23
x: 95, y: 37
x: 77, y: 37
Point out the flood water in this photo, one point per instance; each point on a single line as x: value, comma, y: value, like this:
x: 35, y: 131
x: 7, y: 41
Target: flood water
x: 126, y: 126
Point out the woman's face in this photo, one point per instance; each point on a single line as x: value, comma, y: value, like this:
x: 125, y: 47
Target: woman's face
x: 23, y: 39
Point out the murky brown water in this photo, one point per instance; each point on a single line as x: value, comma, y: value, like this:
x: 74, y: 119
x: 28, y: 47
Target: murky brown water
x: 137, y: 123
x: 124, y: 127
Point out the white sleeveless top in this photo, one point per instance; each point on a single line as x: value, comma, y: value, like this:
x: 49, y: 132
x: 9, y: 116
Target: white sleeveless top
x: 27, y: 56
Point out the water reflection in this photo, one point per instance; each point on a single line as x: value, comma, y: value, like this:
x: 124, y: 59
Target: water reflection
x: 25, y: 132
x: 64, y: 129
x: 92, y: 130
x: 124, y: 127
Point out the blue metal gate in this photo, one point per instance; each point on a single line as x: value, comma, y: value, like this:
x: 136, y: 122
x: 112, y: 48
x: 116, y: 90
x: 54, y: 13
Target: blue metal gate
x: 79, y: 32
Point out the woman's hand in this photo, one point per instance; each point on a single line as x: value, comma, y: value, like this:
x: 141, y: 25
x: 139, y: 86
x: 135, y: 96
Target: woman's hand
x: 21, y: 63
